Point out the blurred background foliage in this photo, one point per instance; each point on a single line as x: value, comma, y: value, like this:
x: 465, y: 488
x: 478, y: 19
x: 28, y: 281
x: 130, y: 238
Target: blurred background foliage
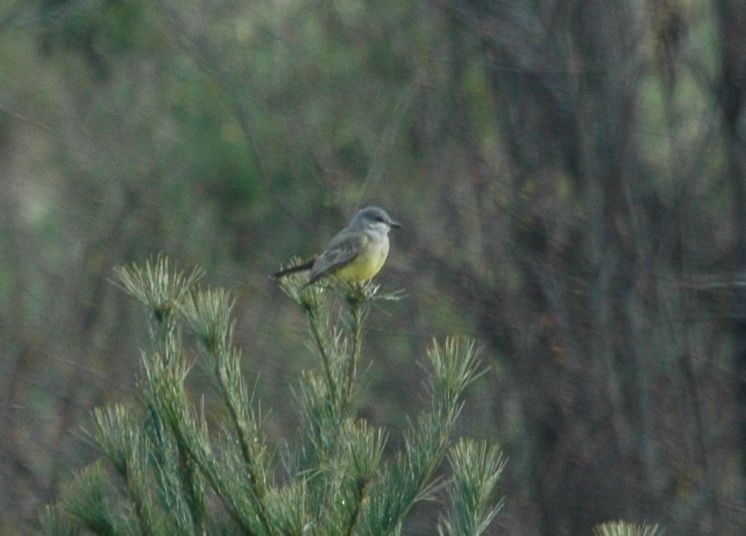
x: 571, y: 176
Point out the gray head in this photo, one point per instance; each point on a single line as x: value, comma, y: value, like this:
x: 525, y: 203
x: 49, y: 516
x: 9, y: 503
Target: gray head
x: 374, y: 219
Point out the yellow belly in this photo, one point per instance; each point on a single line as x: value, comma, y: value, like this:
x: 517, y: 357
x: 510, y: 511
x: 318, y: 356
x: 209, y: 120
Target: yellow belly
x: 366, y: 265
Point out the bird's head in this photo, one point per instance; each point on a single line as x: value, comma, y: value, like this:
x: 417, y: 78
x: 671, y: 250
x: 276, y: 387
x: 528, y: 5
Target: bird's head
x: 374, y: 218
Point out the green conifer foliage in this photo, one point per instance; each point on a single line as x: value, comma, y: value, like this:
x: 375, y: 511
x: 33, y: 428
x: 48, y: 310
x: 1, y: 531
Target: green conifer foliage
x: 166, y: 470
x: 619, y: 528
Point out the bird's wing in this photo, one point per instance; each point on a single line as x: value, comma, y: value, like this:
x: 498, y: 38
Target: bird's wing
x: 342, y: 249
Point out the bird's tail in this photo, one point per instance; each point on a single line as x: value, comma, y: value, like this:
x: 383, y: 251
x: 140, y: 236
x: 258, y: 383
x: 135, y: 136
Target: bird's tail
x: 293, y: 268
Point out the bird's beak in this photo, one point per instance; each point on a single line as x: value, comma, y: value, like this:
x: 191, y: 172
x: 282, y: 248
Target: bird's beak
x: 393, y: 223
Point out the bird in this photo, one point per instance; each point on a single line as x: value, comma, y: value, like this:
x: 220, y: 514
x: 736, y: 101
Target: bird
x: 355, y: 254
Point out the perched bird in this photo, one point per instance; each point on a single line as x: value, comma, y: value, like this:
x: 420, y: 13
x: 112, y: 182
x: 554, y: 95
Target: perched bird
x: 356, y: 254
